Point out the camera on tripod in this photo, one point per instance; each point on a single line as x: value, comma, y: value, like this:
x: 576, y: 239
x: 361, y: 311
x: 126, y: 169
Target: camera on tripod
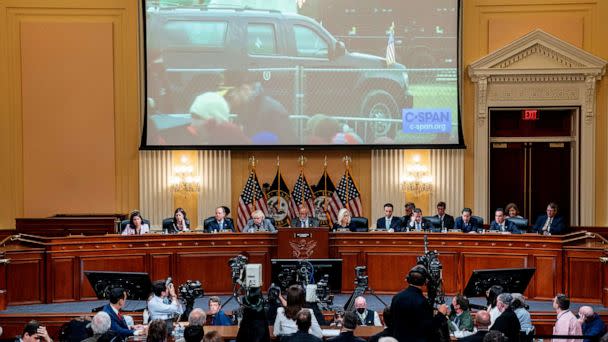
x: 361, y: 278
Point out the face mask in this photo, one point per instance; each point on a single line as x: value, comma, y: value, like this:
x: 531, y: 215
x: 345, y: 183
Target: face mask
x: 361, y: 310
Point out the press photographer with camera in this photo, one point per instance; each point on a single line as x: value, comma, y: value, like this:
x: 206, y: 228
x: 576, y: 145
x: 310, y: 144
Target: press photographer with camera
x: 285, y: 323
x: 163, y: 304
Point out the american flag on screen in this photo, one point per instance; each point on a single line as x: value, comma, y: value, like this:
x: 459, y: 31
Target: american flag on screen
x: 302, y: 193
x: 252, y: 198
x: 346, y: 193
x: 390, y: 48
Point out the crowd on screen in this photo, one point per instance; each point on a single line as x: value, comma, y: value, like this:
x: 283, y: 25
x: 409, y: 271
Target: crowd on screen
x: 507, y: 220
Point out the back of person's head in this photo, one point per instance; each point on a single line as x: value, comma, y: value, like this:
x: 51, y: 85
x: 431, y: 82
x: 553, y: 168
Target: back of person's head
x: 31, y: 328
x: 116, y: 294
x: 194, y: 333
x: 157, y: 331
x: 387, y: 316
x: 109, y: 336
x: 212, y: 336
x: 519, y: 301
x: 197, y: 317
x: 482, y: 319
x: 303, y: 320
x: 505, y: 298
x: 417, y: 276
x: 494, y: 336
x: 158, y: 287
x: 101, y: 322
x: 493, y: 293
x: 562, y: 301
x: 350, y: 320
x: 295, y: 301
x: 253, y: 327
x: 387, y: 339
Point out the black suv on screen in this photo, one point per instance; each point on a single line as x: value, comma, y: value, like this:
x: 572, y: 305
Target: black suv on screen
x: 297, y: 61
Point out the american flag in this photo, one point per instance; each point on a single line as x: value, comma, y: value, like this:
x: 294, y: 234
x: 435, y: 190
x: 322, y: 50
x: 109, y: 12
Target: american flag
x: 252, y: 198
x: 301, y: 193
x: 346, y: 192
x: 390, y: 49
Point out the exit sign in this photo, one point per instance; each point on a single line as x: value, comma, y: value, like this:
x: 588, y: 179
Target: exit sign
x: 530, y: 114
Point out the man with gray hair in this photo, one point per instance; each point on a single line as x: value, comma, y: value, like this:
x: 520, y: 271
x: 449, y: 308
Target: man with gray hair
x: 195, y: 331
x: 100, y: 324
x: 592, y: 323
x: 507, y: 322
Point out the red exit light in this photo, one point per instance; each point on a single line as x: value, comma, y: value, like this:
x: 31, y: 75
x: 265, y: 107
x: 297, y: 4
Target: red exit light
x: 530, y: 114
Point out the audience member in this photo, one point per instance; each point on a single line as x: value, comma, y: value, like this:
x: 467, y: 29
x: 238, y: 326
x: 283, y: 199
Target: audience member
x: 388, y: 221
x: 388, y: 323
x: 347, y: 333
x: 521, y: 311
x: 180, y: 222
x: 285, y: 323
x: 259, y: 223
x: 212, y: 336
x: 466, y: 223
x: 195, y: 330
x: 118, y: 299
x: 507, y: 322
x: 501, y: 224
x: 304, y: 322
x: 591, y: 323
x: 482, y: 324
x: 218, y: 317
x: 100, y: 324
x: 221, y: 222
x: 34, y: 332
x: 136, y: 225
x: 163, y: 304
x: 551, y: 223
x: 157, y: 331
x: 566, y: 323
x: 366, y: 317
x: 491, y: 296
x: 460, y: 315
x: 512, y: 211
x: 447, y: 221
x: 304, y: 220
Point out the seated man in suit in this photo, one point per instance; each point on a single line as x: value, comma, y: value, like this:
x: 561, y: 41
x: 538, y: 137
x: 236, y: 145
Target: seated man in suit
x: 388, y: 222
x: 409, y: 213
x: 447, y: 221
x: 259, y: 223
x: 118, y: 298
x: 417, y: 223
x: 221, y: 223
x: 551, y: 223
x: 466, y: 223
x: 501, y: 224
x: 304, y: 220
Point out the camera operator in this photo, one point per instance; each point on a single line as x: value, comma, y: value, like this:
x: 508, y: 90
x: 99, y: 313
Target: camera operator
x: 163, y: 304
x: 218, y: 317
x: 414, y: 314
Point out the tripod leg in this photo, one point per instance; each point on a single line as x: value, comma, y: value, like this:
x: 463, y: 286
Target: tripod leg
x: 375, y: 295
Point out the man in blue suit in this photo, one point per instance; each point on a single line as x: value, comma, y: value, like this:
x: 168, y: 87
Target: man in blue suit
x: 118, y: 298
x: 466, y: 223
x: 501, y: 224
x: 388, y: 221
x: 551, y: 223
x: 220, y: 223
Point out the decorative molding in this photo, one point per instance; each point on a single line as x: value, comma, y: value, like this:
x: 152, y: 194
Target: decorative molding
x: 537, y: 92
x: 538, y: 49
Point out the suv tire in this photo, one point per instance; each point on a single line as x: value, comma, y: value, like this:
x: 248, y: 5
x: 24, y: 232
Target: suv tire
x: 381, y: 105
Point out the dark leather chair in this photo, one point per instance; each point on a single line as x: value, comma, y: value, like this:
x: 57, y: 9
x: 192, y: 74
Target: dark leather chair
x: 124, y: 223
x: 360, y: 224
x: 433, y: 221
x: 479, y: 219
x: 520, y: 223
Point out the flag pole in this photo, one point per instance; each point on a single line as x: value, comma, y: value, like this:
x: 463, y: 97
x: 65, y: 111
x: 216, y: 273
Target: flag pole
x: 279, y: 181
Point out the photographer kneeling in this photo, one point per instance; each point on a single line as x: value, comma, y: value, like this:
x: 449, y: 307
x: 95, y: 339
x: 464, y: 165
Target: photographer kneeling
x: 163, y: 304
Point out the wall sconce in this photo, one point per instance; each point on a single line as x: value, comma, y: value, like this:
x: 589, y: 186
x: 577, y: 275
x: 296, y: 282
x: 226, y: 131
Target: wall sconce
x: 183, y: 179
x: 417, y: 179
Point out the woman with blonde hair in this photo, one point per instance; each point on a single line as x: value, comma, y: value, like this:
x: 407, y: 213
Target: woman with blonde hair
x: 344, y: 221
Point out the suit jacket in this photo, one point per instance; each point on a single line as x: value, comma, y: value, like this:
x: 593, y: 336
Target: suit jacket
x: 300, y: 336
x: 558, y: 225
x: 384, y: 333
x: 473, y: 225
x: 265, y: 226
x: 508, y: 324
x: 313, y: 222
x: 117, y: 325
x: 413, y: 316
x: 395, y: 223
x: 346, y: 336
x: 411, y: 226
x: 213, y: 225
x: 448, y: 221
x: 476, y: 337
x: 509, y: 227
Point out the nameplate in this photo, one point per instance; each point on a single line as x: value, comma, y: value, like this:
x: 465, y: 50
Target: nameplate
x: 303, y: 235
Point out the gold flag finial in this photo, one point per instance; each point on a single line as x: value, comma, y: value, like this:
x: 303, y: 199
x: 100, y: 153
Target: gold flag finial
x: 253, y: 162
x: 302, y: 160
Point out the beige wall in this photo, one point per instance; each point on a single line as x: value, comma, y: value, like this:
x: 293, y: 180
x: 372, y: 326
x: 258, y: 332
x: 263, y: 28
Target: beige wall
x: 70, y: 104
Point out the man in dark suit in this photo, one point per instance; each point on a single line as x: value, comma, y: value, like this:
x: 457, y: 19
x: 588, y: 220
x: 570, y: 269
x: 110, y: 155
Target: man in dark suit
x: 501, y: 224
x: 118, y: 298
x: 304, y: 220
x: 303, y: 321
x: 482, y: 323
x: 447, y: 221
x: 409, y: 212
x: 389, y: 221
x: 388, y: 322
x: 220, y: 223
x: 507, y: 323
x: 551, y: 223
x: 417, y: 223
x: 347, y: 334
x: 466, y: 223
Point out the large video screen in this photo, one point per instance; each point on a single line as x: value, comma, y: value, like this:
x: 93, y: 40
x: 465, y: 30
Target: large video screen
x: 230, y: 73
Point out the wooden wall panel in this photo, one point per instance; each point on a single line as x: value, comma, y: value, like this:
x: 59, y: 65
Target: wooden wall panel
x: 24, y: 279
x: 584, y: 270
x: 161, y: 266
x: 349, y: 261
x: 62, y: 273
x: 210, y: 268
x: 545, y: 284
x: 480, y: 261
x: 389, y: 269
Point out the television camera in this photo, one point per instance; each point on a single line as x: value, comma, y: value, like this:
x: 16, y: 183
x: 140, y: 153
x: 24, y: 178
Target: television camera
x: 430, y: 261
x: 187, y: 294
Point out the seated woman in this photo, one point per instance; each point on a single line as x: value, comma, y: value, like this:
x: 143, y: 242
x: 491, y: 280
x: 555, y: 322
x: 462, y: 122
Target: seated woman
x: 136, y: 225
x: 180, y: 222
x: 285, y: 323
x: 512, y: 211
x: 344, y: 221
x: 259, y: 223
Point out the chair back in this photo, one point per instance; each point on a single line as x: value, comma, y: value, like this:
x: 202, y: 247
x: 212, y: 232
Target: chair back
x: 520, y: 222
x: 207, y: 222
x: 360, y: 223
x: 479, y: 219
x: 434, y: 221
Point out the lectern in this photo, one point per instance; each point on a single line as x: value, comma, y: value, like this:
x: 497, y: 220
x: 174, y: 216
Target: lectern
x: 303, y: 243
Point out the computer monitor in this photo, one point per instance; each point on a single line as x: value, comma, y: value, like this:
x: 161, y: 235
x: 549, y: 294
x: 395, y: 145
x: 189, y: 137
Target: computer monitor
x: 137, y: 284
x: 284, y: 272
x: 512, y: 280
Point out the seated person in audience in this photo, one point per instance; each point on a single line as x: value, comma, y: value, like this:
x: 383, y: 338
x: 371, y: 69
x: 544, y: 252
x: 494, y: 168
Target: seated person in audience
x: 118, y: 299
x: 212, y: 336
x: 491, y: 297
x: 507, y: 323
x: 447, y: 221
x: 195, y: 331
x: 304, y: 220
x: 417, y: 223
x: 466, y: 223
x: 500, y: 223
x: 566, y: 323
x: 157, y: 331
x: 34, y: 332
x: 388, y: 221
x: 180, y: 222
x: 218, y: 317
x: 136, y: 225
x: 551, y: 223
x: 512, y: 211
x: 304, y: 322
x: 460, y: 315
x: 482, y: 325
x: 409, y: 213
x: 591, y: 323
x: 344, y: 221
x: 521, y: 311
x: 100, y: 324
x: 221, y: 223
x: 388, y: 323
x: 285, y: 323
x: 163, y: 304
x: 366, y: 317
x: 259, y: 223
x: 347, y: 333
